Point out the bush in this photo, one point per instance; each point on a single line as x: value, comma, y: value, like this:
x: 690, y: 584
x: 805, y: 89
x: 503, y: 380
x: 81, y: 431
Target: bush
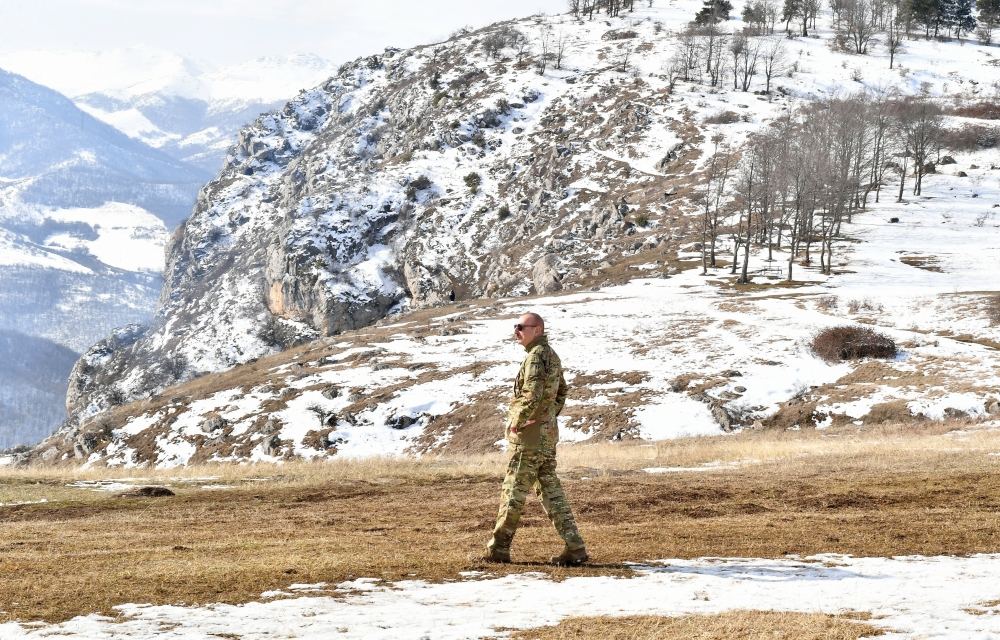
x: 472, y: 181
x: 421, y: 182
x: 855, y: 306
x: 971, y: 137
x: 619, y: 34
x: 642, y: 220
x: 504, y: 212
x: 981, y: 110
x: 850, y: 343
x: 827, y: 303
x: 723, y: 117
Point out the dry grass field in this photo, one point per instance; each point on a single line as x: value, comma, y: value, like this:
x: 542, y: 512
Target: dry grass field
x: 873, y: 493
x: 746, y: 625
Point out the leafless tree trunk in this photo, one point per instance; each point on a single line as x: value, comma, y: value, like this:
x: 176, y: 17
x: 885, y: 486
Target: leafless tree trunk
x: 560, y: 49
x: 773, y: 59
x: 920, y: 123
x: 749, y: 55
x: 543, y: 57
x: 715, y: 186
x: 858, y: 21
x: 894, y: 37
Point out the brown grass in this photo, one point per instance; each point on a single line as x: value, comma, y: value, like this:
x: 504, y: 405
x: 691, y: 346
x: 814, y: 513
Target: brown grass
x: 993, y: 310
x: 745, y: 625
x: 886, y: 492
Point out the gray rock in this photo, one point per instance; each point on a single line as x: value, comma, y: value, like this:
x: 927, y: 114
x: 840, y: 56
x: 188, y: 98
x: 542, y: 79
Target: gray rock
x: 544, y: 275
x: 401, y: 422
x: 992, y: 406
x: 330, y: 393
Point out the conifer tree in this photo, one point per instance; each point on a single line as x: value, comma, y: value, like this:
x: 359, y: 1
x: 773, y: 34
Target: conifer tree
x: 989, y: 16
x: 713, y: 12
x: 959, y: 17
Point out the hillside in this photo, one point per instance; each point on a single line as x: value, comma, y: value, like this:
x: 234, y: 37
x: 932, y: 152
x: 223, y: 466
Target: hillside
x: 459, y: 172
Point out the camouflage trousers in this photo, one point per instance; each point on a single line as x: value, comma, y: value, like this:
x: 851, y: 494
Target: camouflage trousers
x: 533, y: 469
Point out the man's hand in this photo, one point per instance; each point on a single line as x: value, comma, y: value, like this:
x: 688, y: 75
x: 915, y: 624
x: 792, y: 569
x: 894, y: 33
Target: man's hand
x: 524, y: 426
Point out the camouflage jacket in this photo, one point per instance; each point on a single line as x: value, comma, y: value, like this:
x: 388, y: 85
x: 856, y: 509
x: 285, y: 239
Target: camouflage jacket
x: 539, y: 395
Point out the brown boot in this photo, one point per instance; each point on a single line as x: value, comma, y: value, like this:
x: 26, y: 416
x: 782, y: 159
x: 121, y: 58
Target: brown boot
x: 571, y: 557
x: 497, y: 554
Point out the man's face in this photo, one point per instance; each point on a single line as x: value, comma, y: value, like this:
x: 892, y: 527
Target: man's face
x: 526, y: 330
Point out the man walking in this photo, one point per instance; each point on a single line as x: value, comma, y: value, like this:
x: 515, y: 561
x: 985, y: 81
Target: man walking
x: 539, y: 395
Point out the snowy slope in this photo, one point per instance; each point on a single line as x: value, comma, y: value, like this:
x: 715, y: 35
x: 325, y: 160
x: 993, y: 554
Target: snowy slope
x: 317, y: 226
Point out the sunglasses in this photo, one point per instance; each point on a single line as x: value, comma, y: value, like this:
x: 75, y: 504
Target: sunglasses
x: 521, y: 327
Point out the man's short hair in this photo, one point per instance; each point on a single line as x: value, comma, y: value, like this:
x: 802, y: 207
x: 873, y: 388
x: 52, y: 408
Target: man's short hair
x: 535, y: 318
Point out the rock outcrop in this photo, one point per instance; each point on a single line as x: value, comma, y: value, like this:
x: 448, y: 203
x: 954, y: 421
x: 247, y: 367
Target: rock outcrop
x: 410, y: 179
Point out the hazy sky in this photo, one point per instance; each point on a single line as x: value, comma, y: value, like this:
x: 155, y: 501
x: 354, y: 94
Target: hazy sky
x: 226, y: 31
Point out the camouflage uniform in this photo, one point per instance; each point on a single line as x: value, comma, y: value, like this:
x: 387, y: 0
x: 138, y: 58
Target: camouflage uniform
x: 539, y: 394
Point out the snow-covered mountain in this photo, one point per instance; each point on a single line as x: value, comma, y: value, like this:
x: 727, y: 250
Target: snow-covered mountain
x: 190, y: 111
x: 84, y: 214
x: 477, y: 168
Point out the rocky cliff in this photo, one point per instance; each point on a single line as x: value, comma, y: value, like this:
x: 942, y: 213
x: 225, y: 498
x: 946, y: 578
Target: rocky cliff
x: 451, y: 171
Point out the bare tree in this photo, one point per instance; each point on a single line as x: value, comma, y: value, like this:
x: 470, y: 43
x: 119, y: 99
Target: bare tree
x: 772, y: 59
x: 624, y: 55
x: 920, y: 126
x: 685, y: 64
x: 574, y: 7
x: 561, y: 42
x: 747, y: 58
x: 542, y: 61
x: 521, y: 44
x: 716, y: 177
x: 810, y: 9
x: 894, y: 36
x: 736, y: 47
x: 745, y: 188
x: 858, y: 24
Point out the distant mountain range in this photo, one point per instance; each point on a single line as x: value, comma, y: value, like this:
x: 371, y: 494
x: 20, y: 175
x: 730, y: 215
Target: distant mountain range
x: 190, y: 111
x: 84, y: 214
x: 90, y: 187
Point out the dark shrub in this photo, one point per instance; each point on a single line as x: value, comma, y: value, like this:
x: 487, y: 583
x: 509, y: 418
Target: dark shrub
x: 472, y: 181
x: 619, y: 34
x: 420, y: 183
x: 723, y: 117
x: 504, y: 212
x: 851, y: 343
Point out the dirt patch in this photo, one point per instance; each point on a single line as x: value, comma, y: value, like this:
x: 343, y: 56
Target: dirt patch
x: 893, y: 411
x: 927, y: 263
x: 472, y: 427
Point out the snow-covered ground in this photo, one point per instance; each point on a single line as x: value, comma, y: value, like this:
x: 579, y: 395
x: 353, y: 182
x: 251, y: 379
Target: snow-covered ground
x: 665, y: 327
x: 909, y: 596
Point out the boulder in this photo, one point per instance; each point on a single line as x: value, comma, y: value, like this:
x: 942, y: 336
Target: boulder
x: 544, y: 275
